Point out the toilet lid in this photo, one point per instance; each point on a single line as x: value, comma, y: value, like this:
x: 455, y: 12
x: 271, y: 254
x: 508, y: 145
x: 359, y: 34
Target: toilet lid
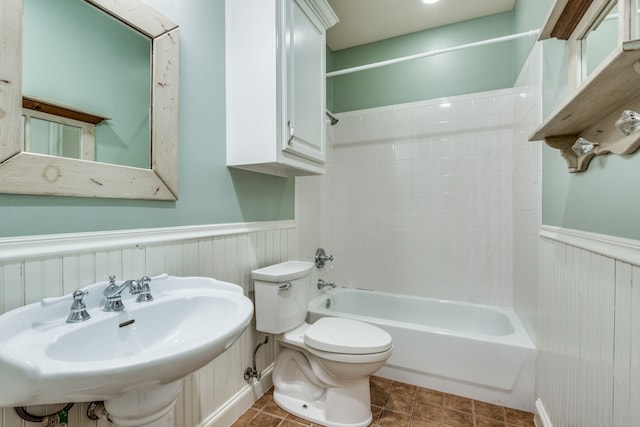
x: 338, y: 335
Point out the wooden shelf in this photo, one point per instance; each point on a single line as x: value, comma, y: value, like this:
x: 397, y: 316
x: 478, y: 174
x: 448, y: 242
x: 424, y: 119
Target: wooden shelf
x: 31, y: 103
x: 593, y: 109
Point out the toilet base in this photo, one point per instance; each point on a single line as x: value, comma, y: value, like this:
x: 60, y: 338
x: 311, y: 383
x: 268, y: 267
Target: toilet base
x: 304, y: 388
x: 312, y: 411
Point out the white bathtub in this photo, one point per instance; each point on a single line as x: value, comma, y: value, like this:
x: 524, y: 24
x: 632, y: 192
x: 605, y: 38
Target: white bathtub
x: 481, y: 352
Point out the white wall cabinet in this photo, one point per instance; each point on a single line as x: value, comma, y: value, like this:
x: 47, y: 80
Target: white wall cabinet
x: 275, y: 85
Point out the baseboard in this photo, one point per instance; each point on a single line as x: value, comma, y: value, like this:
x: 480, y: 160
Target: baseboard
x: 229, y: 412
x: 541, y: 417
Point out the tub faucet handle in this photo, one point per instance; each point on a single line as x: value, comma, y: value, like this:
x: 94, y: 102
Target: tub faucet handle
x: 322, y: 258
x: 323, y: 284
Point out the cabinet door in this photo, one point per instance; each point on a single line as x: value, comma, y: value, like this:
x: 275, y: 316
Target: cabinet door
x: 304, y: 83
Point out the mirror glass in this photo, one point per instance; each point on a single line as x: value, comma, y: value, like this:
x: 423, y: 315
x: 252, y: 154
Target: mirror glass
x: 636, y: 6
x: 600, y: 40
x: 70, y: 159
x: 77, y: 56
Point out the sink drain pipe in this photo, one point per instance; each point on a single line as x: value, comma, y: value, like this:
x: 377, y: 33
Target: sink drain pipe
x: 97, y: 411
x: 25, y: 415
x: 253, y: 372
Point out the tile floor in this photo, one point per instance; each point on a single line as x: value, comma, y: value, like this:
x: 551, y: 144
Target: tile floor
x: 396, y: 404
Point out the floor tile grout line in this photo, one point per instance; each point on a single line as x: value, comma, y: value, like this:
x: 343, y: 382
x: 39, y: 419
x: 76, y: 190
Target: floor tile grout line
x: 411, y: 415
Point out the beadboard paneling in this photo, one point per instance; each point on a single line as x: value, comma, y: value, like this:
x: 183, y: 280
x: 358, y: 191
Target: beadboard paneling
x: 589, y: 330
x: 57, y: 265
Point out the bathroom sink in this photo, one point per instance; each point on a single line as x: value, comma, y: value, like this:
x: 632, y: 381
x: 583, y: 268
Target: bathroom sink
x: 44, y: 359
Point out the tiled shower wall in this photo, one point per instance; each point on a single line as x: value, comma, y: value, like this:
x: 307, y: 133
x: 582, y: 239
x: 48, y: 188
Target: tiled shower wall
x: 527, y: 204
x: 228, y: 253
x: 418, y: 198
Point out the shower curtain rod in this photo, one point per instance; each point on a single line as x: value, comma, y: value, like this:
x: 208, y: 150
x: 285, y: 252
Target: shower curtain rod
x: 432, y: 53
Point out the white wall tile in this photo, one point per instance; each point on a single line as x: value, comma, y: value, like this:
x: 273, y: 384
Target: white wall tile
x: 416, y: 197
x: 526, y: 187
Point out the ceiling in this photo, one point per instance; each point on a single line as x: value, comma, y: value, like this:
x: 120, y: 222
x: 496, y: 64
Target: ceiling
x: 366, y: 21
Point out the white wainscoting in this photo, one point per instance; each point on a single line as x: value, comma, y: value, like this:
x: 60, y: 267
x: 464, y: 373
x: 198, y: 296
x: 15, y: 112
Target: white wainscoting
x: 33, y: 268
x: 588, y: 371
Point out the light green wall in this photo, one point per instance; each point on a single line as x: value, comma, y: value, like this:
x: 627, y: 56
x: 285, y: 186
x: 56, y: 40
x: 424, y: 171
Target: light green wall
x: 531, y: 15
x: 601, y: 200
x: 528, y: 15
x: 462, y: 72
x: 74, y: 55
x: 209, y: 191
x: 330, y: 66
x: 601, y: 41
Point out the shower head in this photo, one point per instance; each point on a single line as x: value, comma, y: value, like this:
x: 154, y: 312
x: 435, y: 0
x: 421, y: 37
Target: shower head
x: 332, y: 119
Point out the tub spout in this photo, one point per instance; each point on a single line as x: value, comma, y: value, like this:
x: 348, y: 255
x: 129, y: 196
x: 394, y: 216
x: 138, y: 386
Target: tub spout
x: 323, y: 284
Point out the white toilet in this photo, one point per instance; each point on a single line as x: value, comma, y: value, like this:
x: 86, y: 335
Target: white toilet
x: 322, y: 372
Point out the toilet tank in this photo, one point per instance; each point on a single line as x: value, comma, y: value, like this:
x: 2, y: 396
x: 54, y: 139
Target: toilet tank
x: 281, y: 295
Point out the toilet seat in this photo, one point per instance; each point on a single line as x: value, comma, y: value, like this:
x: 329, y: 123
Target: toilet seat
x: 379, y: 340
x: 347, y: 336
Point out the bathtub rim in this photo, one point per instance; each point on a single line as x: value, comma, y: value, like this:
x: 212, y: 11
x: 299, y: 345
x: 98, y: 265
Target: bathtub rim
x: 518, y: 338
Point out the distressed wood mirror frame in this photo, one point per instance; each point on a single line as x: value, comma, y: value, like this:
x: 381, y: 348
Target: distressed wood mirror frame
x: 27, y: 173
x: 597, y: 101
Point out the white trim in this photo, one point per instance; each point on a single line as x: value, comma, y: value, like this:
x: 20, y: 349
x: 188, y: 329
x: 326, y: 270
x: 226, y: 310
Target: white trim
x: 542, y: 418
x: 323, y: 11
x: 87, y: 132
x: 239, y: 403
x: 626, y: 250
x: 57, y: 244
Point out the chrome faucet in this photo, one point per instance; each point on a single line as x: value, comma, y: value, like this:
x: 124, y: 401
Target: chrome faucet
x: 323, y: 284
x: 113, y: 292
x: 145, y: 290
x: 322, y: 258
x: 78, y: 308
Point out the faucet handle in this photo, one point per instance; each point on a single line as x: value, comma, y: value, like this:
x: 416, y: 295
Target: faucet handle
x: 79, y: 294
x: 78, y: 302
x: 112, y: 285
x: 323, y: 284
x: 145, y: 290
x: 78, y: 308
x: 322, y: 258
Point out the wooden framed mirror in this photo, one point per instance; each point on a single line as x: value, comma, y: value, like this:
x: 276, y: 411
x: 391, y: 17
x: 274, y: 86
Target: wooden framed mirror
x: 23, y: 172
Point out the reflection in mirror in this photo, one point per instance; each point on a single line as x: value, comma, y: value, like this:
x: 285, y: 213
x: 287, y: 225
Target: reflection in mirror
x: 23, y: 172
x: 56, y: 138
x: 636, y: 34
x: 76, y: 55
x: 600, y: 40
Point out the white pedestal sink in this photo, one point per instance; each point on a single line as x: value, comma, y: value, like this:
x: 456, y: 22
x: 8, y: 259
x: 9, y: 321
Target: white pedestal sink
x: 132, y: 359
